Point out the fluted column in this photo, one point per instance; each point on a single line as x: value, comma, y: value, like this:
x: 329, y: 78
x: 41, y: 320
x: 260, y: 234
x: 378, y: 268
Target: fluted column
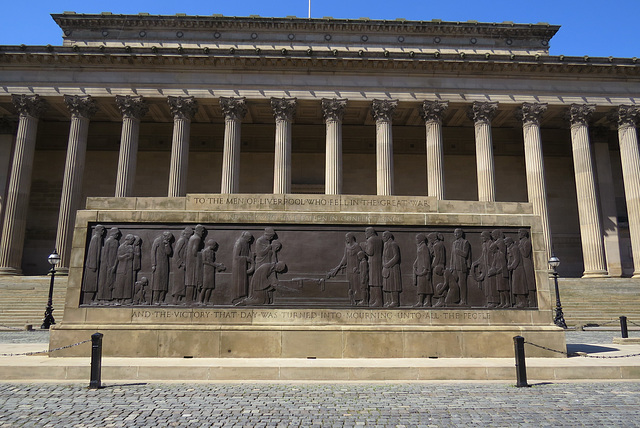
x: 530, y: 114
x: 382, y: 112
x: 607, y: 198
x: 432, y: 113
x: 81, y: 109
x: 132, y: 109
x: 183, y: 110
x: 627, y: 118
x: 30, y: 107
x: 234, y: 110
x: 283, y: 110
x: 590, y: 229
x: 7, y: 132
x: 333, y: 112
x: 482, y: 114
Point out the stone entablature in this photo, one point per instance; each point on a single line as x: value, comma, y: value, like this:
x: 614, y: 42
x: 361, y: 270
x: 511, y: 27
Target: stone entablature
x: 291, y: 32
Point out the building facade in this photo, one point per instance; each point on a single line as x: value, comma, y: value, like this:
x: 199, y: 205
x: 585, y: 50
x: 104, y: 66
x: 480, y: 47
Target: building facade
x: 140, y: 105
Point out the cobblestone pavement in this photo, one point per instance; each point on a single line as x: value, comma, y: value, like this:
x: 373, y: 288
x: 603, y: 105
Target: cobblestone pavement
x: 322, y: 405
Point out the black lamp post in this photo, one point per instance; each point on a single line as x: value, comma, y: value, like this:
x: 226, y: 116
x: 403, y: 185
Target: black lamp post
x: 554, y: 262
x: 53, y: 259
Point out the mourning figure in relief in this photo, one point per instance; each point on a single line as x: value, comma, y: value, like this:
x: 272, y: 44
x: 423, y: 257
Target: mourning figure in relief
x: 209, y: 269
x: 263, y: 282
x: 350, y: 263
x: 108, y: 265
x: 391, y: 275
x: 362, y: 292
x: 460, y: 262
x: 123, y: 290
x: 527, y: 262
x: 140, y: 291
x: 161, y: 253
x: 499, y: 269
x: 266, y: 249
x: 178, y: 291
x: 422, y: 272
x: 373, y: 247
x: 137, y: 257
x: 439, y: 257
x: 193, y: 263
x: 92, y: 265
x: 242, y: 265
x: 480, y: 269
x: 516, y: 267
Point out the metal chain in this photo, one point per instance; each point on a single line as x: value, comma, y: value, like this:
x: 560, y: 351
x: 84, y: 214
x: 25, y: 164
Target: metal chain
x: 10, y: 327
x: 631, y: 322
x: 575, y: 354
x: 47, y: 351
x: 610, y: 322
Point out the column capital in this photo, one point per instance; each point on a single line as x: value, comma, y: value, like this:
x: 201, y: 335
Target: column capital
x: 81, y: 105
x: 8, y: 125
x: 482, y: 112
x: 531, y: 113
x: 233, y: 108
x: 625, y: 116
x: 133, y: 107
x: 579, y: 114
x: 183, y: 107
x: 433, y: 111
x: 284, y: 108
x: 382, y: 110
x: 29, y: 105
x: 333, y: 109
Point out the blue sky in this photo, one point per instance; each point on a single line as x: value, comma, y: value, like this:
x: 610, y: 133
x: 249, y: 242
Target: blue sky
x: 589, y: 27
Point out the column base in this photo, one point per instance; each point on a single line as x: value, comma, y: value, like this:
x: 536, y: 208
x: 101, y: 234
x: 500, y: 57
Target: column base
x: 596, y: 274
x: 10, y: 271
x: 62, y: 271
x: 636, y: 275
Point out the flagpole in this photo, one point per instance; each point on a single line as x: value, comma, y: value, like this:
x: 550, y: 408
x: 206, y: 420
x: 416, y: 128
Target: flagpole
x: 309, y: 8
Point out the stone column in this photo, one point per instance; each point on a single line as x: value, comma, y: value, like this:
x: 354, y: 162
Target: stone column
x: 333, y: 112
x: 183, y: 110
x: 530, y: 115
x: 382, y: 112
x: 7, y: 132
x: 590, y: 229
x: 132, y: 109
x: 81, y: 109
x: 234, y: 110
x: 482, y: 114
x: 627, y: 118
x: 607, y: 197
x: 432, y: 112
x: 29, y: 107
x: 283, y: 110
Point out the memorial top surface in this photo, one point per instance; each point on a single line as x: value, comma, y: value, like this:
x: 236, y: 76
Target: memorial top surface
x: 471, y: 36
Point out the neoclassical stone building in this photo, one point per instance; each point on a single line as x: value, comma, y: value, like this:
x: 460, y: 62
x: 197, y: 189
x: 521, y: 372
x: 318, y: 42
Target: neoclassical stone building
x: 140, y: 105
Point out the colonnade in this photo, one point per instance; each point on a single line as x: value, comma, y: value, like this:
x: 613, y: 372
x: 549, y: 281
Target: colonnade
x: 183, y: 109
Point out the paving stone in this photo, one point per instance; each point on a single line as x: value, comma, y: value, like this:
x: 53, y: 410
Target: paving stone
x: 326, y: 405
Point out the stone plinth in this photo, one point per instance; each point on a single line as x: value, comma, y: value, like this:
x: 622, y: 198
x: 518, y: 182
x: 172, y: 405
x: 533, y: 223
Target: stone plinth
x: 279, y: 329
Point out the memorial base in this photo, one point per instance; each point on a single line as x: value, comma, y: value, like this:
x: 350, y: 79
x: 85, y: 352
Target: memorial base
x: 280, y: 333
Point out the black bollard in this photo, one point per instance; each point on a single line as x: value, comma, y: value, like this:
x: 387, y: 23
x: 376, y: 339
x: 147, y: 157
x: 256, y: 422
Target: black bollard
x: 521, y: 368
x: 96, y: 361
x: 623, y: 327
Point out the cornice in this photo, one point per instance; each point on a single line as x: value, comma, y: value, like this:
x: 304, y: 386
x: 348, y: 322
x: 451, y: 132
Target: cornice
x: 319, y: 60
x: 69, y: 22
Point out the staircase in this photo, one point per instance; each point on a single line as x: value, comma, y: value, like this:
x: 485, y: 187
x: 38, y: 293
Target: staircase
x: 599, y: 301
x: 23, y: 300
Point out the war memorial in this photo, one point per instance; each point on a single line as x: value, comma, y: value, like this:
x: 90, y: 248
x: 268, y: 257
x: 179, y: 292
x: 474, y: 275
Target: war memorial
x: 288, y: 187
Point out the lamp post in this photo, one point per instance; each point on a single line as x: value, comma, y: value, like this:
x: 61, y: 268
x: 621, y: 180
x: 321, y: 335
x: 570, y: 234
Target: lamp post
x: 554, y: 262
x: 53, y: 260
